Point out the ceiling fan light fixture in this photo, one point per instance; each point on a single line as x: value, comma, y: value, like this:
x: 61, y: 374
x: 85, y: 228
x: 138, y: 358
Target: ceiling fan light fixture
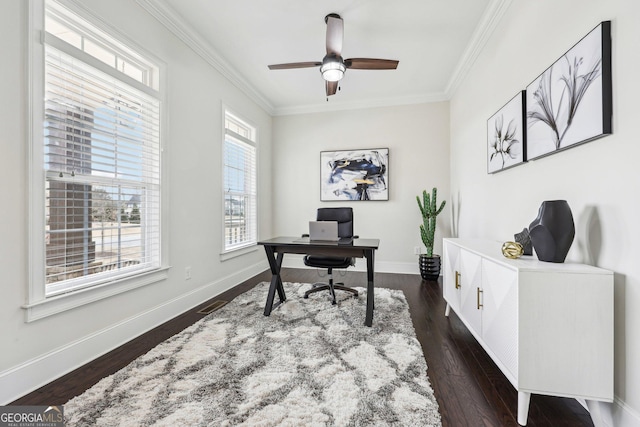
x: 333, y: 66
x: 332, y: 70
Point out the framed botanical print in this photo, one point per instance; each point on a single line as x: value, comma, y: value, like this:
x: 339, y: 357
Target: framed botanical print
x: 571, y: 102
x: 506, y: 135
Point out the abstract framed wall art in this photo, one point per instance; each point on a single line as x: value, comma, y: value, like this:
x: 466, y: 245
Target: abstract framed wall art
x: 506, y: 135
x: 354, y: 175
x: 571, y: 102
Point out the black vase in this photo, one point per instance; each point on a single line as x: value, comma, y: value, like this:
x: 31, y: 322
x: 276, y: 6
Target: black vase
x: 429, y: 267
x: 552, y: 231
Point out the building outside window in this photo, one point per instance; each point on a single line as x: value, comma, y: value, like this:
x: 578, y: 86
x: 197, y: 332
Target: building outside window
x: 239, y: 180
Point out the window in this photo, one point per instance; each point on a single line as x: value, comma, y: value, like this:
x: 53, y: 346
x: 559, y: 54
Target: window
x: 239, y: 169
x: 98, y: 150
x: 74, y: 31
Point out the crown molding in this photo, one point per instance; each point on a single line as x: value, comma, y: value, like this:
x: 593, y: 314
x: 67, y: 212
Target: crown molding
x: 490, y: 19
x: 174, y: 23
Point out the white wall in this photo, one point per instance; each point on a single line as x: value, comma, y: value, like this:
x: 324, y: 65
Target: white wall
x: 417, y: 137
x: 34, y: 353
x: 602, y: 175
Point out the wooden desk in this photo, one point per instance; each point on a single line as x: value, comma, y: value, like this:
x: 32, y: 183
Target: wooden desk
x: 357, y: 248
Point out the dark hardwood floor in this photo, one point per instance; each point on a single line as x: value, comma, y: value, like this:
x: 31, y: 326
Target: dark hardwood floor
x: 470, y: 389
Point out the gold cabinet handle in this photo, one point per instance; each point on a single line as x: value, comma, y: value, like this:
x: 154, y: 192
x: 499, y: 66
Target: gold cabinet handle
x: 457, y: 280
x: 479, y: 291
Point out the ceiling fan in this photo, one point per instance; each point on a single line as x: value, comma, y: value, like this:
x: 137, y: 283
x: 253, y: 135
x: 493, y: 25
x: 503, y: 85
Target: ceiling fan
x: 333, y: 66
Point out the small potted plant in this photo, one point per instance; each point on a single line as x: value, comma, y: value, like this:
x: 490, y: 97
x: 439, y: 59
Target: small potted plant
x: 429, y: 263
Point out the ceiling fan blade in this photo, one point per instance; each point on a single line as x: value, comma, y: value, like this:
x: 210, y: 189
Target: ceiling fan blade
x: 332, y: 87
x: 371, y: 64
x: 335, y: 32
x: 294, y: 65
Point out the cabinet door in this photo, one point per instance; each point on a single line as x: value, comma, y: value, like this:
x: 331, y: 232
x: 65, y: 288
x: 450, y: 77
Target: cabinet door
x: 451, y: 289
x: 500, y: 314
x: 470, y: 290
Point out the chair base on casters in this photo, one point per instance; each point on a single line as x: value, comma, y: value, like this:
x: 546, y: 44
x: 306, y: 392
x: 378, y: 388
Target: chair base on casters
x: 317, y: 287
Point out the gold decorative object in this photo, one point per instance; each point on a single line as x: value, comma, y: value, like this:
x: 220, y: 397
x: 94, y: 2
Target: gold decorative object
x: 512, y: 250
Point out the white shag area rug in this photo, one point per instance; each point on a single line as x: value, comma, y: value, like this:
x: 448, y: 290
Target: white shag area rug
x: 309, y: 364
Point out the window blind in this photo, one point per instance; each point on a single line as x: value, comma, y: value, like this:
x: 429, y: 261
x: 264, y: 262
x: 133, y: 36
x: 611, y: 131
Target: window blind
x: 102, y: 168
x: 240, y: 203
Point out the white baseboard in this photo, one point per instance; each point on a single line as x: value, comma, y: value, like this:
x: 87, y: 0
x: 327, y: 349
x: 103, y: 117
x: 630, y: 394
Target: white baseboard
x: 33, y: 374
x: 615, y: 414
x: 621, y: 415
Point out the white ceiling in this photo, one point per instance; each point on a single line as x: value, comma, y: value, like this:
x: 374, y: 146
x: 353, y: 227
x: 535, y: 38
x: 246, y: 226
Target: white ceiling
x: 434, y: 40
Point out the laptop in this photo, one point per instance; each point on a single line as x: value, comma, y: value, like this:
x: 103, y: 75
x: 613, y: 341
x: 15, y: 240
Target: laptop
x: 323, y: 231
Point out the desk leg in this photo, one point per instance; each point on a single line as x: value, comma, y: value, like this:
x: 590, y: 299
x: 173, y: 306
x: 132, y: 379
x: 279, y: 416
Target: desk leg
x: 279, y: 286
x: 276, y: 280
x: 370, y: 300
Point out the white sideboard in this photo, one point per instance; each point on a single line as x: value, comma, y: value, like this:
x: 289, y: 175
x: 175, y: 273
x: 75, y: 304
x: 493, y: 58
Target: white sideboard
x: 547, y: 326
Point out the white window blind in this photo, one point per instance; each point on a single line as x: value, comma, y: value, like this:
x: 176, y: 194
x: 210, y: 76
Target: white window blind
x: 81, y: 34
x: 102, y: 169
x: 239, y: 157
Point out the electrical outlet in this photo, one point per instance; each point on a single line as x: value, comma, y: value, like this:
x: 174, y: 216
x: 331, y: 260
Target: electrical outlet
x: 416, y: 250
x: 187, y: 273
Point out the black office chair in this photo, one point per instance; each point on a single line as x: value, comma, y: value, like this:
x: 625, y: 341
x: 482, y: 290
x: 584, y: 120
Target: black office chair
x: 344, y: 217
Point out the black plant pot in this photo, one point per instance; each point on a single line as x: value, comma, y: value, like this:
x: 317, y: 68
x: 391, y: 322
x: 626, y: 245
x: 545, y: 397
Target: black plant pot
x: 429, y: 267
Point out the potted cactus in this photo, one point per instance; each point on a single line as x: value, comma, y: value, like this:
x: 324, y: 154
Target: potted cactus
x: 429, y: 263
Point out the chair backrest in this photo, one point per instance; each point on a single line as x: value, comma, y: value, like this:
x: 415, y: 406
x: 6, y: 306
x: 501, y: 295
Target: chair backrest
x: 344, y: 216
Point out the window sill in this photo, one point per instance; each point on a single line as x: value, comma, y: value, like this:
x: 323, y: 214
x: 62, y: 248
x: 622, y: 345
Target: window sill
x: 60, y: 303
x: 238, y: 252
